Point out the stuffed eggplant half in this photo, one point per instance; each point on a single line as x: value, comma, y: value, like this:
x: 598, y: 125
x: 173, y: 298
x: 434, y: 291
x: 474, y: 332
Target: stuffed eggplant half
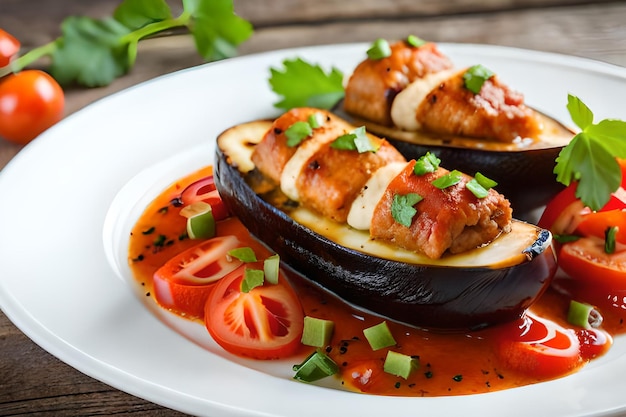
x: 469, y: 117
x: 409, y: 240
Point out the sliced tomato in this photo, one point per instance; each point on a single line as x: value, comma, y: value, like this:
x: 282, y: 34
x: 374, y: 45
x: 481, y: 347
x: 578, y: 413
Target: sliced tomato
x: 564, y: 212
x: 586, y: 261
x: 184, y: 282
x: 539, y: 347
x: 593, y: 343
x: 204, y: 190
x: 264, y: 323
x: 9, y: 47
x: 596, y: 224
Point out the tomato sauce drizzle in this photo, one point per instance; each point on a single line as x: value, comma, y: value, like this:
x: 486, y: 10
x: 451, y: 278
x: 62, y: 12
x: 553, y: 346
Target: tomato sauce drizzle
x: 450, y: 363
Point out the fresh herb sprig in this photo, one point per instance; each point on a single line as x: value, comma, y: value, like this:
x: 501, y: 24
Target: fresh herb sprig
x: 589, y: 158
x: 302, y: 84
x: 94, y: 52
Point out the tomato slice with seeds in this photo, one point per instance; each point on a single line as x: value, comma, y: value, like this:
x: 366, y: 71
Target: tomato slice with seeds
x: 184, y: 282
x: 264, y: 323
x: 204, y: 190
x: 539, y: 347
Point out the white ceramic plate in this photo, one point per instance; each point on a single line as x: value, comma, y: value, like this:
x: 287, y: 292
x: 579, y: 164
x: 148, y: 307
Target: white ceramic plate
x: 59, y: 283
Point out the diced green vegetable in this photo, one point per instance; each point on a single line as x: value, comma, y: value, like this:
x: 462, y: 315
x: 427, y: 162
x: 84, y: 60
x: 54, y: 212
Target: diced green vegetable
x: 426, y: 163
x: 380, y: 49
x: 402, y: 208
x: 297, y: 132
x: 609, y: 239
x: 252, y: 278
x: 379, y: 336
x: 478, y: 190
x: 486, y: 182
x: 315, y: 367
x: 317, y: 332
x: 475, y: 77
x: 415, y: 41
x: 583, y: 315
x: 356, y: 140
x: 271, y: 267
x: 244, y: 254
x: 316, y: 120
x: 200, y: 220
x: 399, y: 364
x: 448, y: 180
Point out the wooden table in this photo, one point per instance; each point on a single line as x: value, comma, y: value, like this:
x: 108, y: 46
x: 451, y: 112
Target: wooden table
x: 33, y: 381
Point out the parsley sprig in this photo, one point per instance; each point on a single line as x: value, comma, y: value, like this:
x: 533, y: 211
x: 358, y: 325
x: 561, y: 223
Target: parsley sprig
x: 589, y: 158
x: 93, y: 52
x: 302, y: 84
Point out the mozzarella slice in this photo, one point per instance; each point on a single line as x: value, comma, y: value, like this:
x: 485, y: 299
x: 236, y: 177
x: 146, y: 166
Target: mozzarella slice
x: 362, y: 209
x: 404, y: 106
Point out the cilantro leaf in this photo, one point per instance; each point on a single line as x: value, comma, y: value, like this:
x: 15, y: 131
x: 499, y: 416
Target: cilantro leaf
x: 90, y: 52
x: 402, y: 209
x: 589, y: 158
x: 135, y: 14
x: 302, y: 84
x: 215, y: 27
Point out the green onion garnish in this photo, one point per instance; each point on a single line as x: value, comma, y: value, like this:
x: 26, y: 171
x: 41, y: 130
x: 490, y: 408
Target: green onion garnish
x: 244, y: 254
x: 200, y: 220
x: 426, y: 164
x: 356, y: 140
x: 315, y: 367
x: 448, y: 180
x: 583, y: 315
x: 415, y: 41
x: 252, y: 278
x: 271, y: 267
x: 380, y: 49
x: 297, y: 132
x: 609, y: 239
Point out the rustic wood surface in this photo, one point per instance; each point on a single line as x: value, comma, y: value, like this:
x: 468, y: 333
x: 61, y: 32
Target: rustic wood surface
x: 33, y: 382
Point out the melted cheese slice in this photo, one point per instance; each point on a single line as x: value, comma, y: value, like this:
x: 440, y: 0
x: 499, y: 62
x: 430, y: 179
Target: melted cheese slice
x: 306, y: 150
x: 362, y: 209
x: 405, y: 105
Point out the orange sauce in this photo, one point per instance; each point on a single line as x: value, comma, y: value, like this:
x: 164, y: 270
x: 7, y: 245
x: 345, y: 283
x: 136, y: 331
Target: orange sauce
x: 450, y: 363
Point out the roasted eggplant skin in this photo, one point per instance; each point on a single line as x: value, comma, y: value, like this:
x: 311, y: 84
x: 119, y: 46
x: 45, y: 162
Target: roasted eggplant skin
x: 436, y: 297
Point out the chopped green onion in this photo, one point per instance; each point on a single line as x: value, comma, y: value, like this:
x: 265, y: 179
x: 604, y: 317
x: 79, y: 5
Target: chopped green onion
x: 380, y: 49
x: 565, y: 238
x: 200, y: 220
x: 402, y: 208
x: 379, y: 336
x: 478, y: 190
x: 399, y: 364
x: 245, y: 254
x: 448, y: 180
x: 317, y: 332
x: 609, y: 239
x: 252, y: 278
x: 415, y: 41
x: 271, y: 266
x: 316, y: 120
x: 357, y: 140
x: 475, y: 77
x: 583, y: 315
x: 297, y: 132
x: 486, y: 182
x: 426, y: 164
x: 315, y: 367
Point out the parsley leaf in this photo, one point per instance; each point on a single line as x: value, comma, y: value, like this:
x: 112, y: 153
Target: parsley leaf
x: 475, y: 77
x: 356, y: 140
x: 302, y: 84
x: 589, y: 158
x: 135, y: 14
x: 402, y: 209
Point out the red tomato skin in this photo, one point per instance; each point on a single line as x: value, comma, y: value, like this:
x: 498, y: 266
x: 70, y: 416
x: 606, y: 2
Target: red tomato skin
x: 539, y: 347
x: 232, y: 318
x: 30, y: 102
x: 204, y: 190
x: 9, y: 47
x: 596, y: 224
x: 586, y: 261
x: 593, y: 343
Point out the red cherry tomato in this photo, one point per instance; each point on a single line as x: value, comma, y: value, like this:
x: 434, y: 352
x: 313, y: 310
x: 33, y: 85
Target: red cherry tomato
x: 9, y: 47
x: 204, y: 190
x: 264, y: 323
x: 539, y: 347
x: 586, y: 261
x: 184, y: 282
x: 30, y: 102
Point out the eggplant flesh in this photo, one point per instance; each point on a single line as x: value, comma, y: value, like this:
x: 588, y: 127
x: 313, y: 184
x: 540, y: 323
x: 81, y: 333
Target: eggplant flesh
x: 483, y: 287
x: 524, y: 168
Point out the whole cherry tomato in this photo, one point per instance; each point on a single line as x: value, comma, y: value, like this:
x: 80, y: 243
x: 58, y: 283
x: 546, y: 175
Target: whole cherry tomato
x: 9, y: 47
x: 30, y: 102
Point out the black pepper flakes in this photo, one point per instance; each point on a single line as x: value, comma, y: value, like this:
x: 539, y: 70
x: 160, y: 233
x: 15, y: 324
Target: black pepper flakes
x: 163, y: 210
x: 148, y: 231
x: 458, y: 378
x: 428, y: 374
x: 159, y: 241
x: 397, y: 385
x: 139, y: 258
